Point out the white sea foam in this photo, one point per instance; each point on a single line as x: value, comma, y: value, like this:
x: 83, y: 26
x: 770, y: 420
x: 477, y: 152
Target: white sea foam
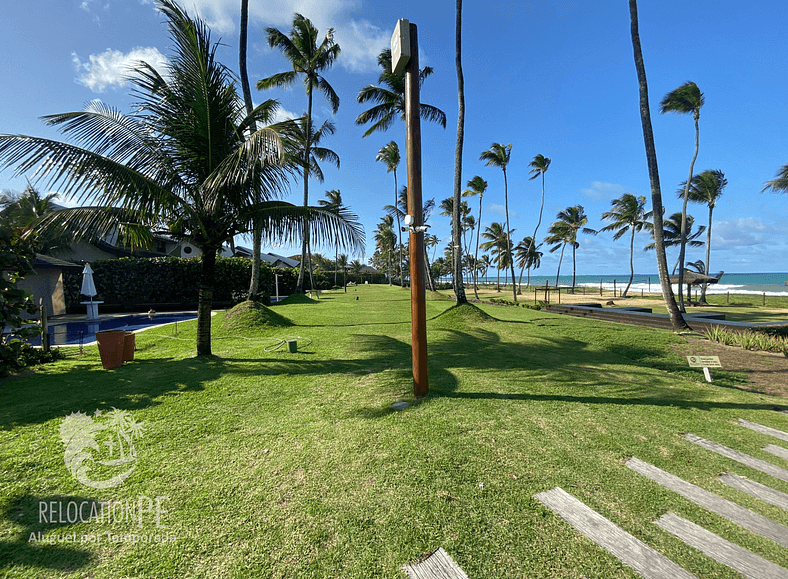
x: 714, y: 289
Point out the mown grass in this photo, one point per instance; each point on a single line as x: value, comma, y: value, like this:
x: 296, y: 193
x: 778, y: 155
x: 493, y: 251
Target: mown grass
x: 296, y: 465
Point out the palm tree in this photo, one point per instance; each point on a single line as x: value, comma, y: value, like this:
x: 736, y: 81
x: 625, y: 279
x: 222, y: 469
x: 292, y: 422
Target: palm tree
x: 780, y: 183
x: 483, y: 264
x: 182, y: 163
x: 25, y: 211
x: 296, y: 142
x: 686, y: 99
x: 459, y: 286
x: 389, y: 156
x: 426, y: 210
x: 257, y: 230
x: 308, y: 59
x: 707, y: 188
x: 343, y: 263
x: 468, y: 224
x: 356, y: 266
x: 498, y: 244
x: 628, y: 214
x: 476, y: 186
x: 539, y: 166
x: 385, y: 240
x: 400, y: 210
x: 528, y: 256
x: 389, y: 98
x: 676, y: 319
x: 333, y: 202
x: 498, y: 155
x: 558, y: 235
x: 570, y: 222
x: 671, y: 234
x: 447, y: 209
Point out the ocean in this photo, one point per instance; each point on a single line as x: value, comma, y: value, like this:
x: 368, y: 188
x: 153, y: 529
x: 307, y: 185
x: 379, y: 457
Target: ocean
x: 772, y: 284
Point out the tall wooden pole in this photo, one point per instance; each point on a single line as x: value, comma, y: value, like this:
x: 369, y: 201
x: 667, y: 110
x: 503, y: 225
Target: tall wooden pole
x: 418, y: 310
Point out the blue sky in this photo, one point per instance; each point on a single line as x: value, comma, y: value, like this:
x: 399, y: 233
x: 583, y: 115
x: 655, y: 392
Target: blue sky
x: 552, y: 78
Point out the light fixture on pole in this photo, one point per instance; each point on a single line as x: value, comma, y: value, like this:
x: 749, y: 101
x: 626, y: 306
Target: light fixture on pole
x: 405, y: 56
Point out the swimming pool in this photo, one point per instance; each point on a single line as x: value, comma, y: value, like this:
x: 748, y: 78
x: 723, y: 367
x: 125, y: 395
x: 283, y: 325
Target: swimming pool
x: 76, y: 333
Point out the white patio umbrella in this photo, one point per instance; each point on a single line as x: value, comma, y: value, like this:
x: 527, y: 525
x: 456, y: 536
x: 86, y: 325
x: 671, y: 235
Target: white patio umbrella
x: 88, y: 287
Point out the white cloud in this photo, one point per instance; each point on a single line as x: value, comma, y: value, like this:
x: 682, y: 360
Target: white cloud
x: 600, y: 191
x: 112, y: 67
x: 500, y: 210
x: 283, y: 115
x: 360, y: 40
x: 743, y: 232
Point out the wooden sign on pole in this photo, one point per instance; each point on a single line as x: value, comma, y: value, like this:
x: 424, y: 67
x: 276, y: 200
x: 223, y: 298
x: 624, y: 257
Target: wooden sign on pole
x: 400, y: 46
x: 418, y: 307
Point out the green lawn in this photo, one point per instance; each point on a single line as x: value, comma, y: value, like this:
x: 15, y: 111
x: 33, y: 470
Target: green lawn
x: 296, y: 465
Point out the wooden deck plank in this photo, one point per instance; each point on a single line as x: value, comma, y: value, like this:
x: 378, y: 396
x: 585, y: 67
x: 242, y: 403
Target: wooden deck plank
x: 745, y: 459
x: 629, y: 550
x: 757, y: 490
x: 764, y: 429
x: 751, y: 521
x: 745, y: 562
x: 777, y: 450
x: 439, y: 565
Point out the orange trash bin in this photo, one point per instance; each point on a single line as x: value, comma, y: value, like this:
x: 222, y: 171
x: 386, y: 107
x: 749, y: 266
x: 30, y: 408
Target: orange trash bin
x: 110, y: 345
x: 129, y: 344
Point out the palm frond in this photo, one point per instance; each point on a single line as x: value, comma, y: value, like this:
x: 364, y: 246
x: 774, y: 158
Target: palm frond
x: 278, y: 80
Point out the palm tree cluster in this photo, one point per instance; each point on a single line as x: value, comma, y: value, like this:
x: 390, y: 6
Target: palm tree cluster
x: 186, y: 162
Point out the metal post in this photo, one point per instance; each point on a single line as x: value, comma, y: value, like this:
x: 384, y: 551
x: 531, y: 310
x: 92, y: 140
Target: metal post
x: 44, y: 328
x: 418, y: 308
x: 276, y: 282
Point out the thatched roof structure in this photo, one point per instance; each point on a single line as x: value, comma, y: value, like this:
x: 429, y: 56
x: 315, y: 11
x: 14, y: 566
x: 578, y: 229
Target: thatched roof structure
x: 695, y: 278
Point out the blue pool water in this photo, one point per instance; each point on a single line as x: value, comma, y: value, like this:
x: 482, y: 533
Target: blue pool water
x: 76, y: 333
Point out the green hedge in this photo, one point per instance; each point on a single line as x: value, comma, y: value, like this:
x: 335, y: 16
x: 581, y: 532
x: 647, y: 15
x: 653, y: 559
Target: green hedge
x: 130, y: 282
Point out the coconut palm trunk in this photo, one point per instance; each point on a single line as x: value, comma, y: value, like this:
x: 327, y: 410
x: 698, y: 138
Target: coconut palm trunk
x: 257, y: 227
x: 539, y: 166
x: 560, y: 259
x: 509, y: 233
x: 305, y: 239
x: 476, y: 255
x: 631, y: 262
x: 456, y: 226
x: 708, y: 255
x: 399, y: 235
x: 683, y: 246
x: 676, y: 319
x: 430, y: 282
x: 205, y: 302
x: 574, y: 265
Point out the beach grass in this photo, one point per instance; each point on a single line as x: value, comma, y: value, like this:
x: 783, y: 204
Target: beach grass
x: 297, y: 465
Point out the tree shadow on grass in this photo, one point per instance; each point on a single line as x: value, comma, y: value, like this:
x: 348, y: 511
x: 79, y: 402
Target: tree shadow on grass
x: 514, y: 369
x: 87, y: 387
x: 22, y: 549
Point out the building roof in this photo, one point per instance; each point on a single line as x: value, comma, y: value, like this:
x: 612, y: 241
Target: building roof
x: 43, y: 261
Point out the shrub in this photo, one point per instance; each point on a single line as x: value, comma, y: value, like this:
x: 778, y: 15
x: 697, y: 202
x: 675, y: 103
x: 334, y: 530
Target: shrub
x: 17, y: 252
